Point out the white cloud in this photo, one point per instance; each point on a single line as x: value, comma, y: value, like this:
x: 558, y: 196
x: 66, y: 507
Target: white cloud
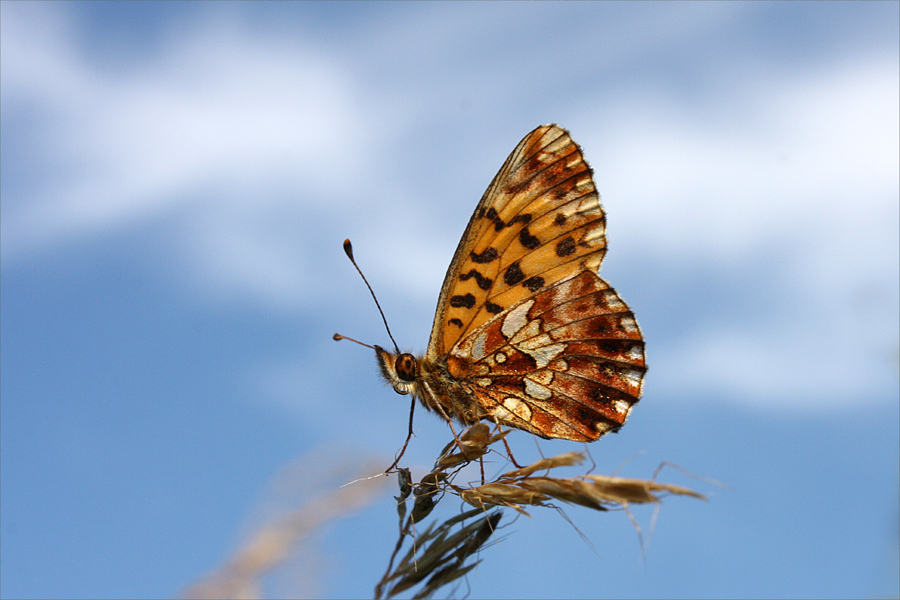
x: 791, y: 151
x: 219, y: 112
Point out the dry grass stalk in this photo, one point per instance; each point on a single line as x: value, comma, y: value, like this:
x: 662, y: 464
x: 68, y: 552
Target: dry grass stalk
x: 438, y: 555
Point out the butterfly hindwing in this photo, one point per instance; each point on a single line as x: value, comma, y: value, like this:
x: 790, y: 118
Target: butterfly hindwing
x: 566, y: 363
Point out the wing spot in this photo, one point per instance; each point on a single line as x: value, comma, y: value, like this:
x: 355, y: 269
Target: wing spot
x: 633, y: 377
x: 499, y: 225
x: 516, y: 319
x: 484, y: 283
x: 593, y: 234
x: 490, y: 254
x: 575, y: 160
x: 513, y: 274
x: 602, y: 427
x: 500, y: 357
x: 528, y: 240
x: 492, y: 308
x: 530, y: 336
x: 501, y: 414
x: 543, y: 355
x: 536, y: 390
x: 534, y: 283
x: 622, y: 407
x: 517, y: 407
x: 566, y: 247
x: 612, y: 301
x: 612, y: 346
x: 492, y: 215
x: 467, y: 301
x: 584, y: 182
x: 455, y: 321
x: 478, y: 346
x: 636, y: 352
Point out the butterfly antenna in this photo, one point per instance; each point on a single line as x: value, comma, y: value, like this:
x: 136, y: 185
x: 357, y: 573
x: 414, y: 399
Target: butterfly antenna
x: 338, y: 337
x: 348, y: 250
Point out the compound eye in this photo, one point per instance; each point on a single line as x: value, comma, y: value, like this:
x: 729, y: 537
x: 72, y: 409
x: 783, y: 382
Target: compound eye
x: 406, y: 367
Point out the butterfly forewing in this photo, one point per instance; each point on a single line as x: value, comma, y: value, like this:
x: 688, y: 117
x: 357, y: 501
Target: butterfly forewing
x: 539, y: 221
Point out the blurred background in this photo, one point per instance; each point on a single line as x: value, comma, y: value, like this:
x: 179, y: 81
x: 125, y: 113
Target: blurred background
x: 177, y: 180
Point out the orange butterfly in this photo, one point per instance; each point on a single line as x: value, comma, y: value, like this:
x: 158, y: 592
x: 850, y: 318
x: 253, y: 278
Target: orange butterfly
x: 526, y: 333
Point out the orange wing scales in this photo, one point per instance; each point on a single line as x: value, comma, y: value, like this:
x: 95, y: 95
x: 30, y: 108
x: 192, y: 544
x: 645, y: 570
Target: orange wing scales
x: 539, y: 221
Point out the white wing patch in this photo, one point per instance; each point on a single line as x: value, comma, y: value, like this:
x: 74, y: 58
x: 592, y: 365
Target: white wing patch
x: 536, y: 390
x: 516, y: 319
x: 543, y: 355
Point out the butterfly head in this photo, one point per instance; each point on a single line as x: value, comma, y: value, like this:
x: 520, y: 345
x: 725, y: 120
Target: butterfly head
x: 400, y: 370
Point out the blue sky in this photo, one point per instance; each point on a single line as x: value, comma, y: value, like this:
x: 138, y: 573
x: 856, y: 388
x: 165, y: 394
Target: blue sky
x: 177, y: 180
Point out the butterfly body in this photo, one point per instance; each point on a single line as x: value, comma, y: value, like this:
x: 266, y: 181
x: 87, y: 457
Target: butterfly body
x: 526, y: 334
x: 433, y: 385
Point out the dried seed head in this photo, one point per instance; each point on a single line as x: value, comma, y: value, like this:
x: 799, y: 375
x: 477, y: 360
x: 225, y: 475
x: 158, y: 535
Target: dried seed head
x: 636, y: 491
x: 566, y: 459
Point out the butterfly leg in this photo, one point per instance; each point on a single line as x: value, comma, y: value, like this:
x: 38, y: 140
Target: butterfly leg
x: 509, y: 452
x: 409, y: 435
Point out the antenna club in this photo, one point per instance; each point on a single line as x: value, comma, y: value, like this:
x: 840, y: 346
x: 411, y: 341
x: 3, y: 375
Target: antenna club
x: 348, y: 249
x: 338, y: 337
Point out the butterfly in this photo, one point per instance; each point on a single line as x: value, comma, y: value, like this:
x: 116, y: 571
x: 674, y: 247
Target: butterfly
x: 526, y: 334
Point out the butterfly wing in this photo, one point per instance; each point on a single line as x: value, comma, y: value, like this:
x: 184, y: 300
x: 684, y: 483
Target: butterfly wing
x: 524, y: 323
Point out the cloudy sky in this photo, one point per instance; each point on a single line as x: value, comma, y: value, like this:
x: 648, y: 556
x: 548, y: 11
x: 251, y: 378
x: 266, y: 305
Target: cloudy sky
x: 177, y: 180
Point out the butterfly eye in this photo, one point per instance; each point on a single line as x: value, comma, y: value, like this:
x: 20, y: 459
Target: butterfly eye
x: 406, y: 367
